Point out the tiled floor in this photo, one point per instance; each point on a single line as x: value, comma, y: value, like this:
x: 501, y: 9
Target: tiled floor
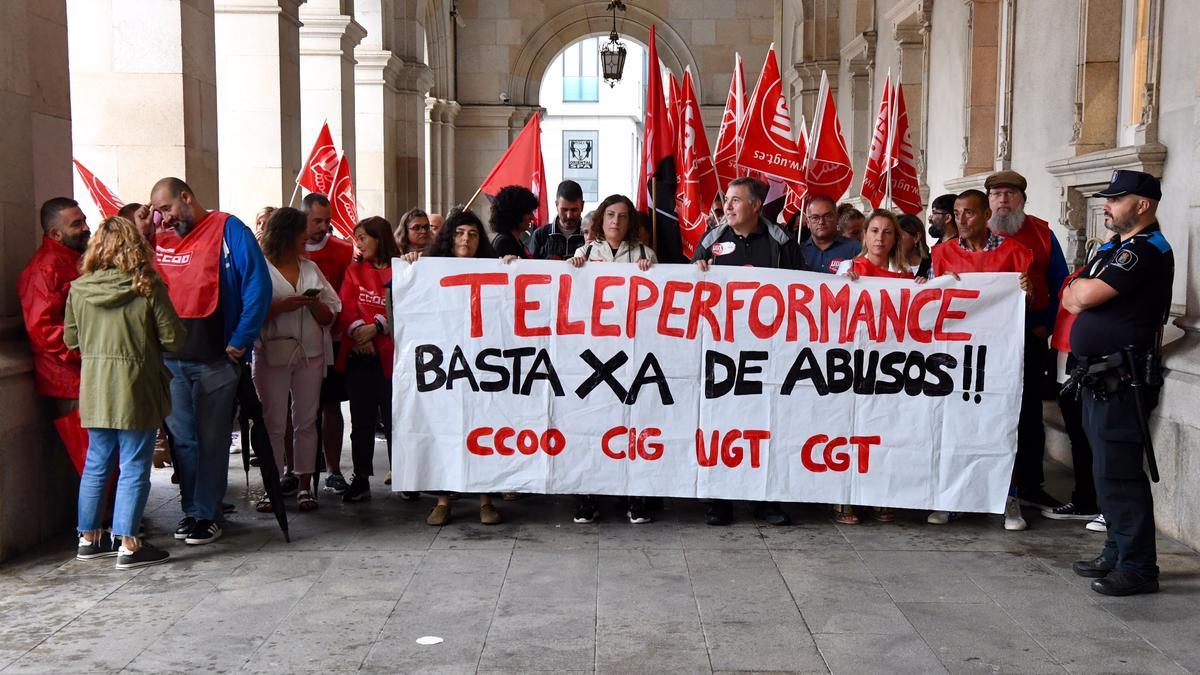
x: 360, y: 583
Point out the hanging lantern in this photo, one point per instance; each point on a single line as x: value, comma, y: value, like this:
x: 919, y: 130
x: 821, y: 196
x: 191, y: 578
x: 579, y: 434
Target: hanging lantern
x: 612, y: 53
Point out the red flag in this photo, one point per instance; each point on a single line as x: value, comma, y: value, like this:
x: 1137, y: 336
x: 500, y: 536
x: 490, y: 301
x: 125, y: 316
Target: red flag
x: 874, y: 186
x: 767, y: 142
x: 796, y: 192
x: 344, y: 214
x: 828, y: 170
x: 657, y: 143
x: 731, y: 122
x: 108, y: 203
x: 522, y: 165
x: 675, y: 114
x: 698, y: 176
x: 318, y: 172
x: 906, y: 193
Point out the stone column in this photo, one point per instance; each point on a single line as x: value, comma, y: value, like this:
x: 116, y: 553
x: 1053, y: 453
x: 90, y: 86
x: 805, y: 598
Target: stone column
x: 258, y: 102
x: 328, y: 37
x: 144, y: 90
x: 412, y: 85
x: 433, y: 154
x: 449, y: 196
x: 440, y: 155
x: 37, y: 487
x: 375, y: 132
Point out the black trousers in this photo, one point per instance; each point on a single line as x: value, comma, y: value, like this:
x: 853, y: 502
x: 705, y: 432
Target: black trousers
x: 1121, y: 483
x: 370, y: 402
x: 1084, y: 494
x: 1031, y: 433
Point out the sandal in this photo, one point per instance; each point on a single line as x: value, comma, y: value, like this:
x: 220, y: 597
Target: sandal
x: 883, y: 514
x: 264, y: 505
x: 306, y: 501
x: 846, y: 516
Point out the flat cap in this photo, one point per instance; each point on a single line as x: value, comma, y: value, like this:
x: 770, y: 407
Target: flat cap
x: 1006, y: 179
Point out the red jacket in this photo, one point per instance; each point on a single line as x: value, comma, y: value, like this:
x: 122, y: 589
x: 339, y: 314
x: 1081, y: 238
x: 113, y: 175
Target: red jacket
x: 1035, y: 235
x: 333, y: 258
x: 42, y: 288
x: 364, y: 295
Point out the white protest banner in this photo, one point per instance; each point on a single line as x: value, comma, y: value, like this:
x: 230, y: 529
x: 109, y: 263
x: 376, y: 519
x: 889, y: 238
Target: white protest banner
x: 736, y: 383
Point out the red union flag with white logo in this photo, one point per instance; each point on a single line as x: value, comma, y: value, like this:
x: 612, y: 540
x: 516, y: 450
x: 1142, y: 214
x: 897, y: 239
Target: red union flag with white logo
x: 344, y: 214
x: 768, y: 143
x: 874, y: 185
x: 522, y: 165
x: 322, y: 164
x: 906, y: 193
x: 828, y: 169
x: 698, y: 179
x: 108, y: 203
x: 725, y: 160
x: 796, y: 192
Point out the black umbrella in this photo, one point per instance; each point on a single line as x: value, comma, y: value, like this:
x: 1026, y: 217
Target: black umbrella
x: 251, y: 416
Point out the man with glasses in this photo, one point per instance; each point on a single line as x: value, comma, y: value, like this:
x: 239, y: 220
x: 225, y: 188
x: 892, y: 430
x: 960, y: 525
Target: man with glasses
x: 560, y: 239
x: 941, y: 219
x: 825, y: 249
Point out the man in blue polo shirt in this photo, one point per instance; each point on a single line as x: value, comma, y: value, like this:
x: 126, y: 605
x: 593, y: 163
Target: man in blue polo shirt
x: 825, y: 248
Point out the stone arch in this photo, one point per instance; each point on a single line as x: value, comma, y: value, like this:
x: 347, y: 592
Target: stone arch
x: 583, y: 20
x: 436, y: 20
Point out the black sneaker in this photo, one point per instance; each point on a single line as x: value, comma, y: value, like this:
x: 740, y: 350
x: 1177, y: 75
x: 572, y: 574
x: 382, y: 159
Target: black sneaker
x: 185, y: 527
x: 1069, y: 511
x: 720, y: 513
x: 586, y: 511
x: 335, y: 483
x: 1038, y: 499
x: 103, y: 547
x: 227, y: 507
x: 772, y: 513
x: 359, y: 490
x: 205, y: 532
x: 289, y: 485
x: 145, y: 555
x: 638, y: 513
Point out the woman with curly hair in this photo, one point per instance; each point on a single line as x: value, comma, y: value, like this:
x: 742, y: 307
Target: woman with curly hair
x: 512, y: 212
x: 121, y: 320
x: 414, y: 232
x: 461, y: 237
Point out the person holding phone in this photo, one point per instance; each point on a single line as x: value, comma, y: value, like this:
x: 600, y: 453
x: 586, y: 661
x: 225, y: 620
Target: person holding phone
x: 295, y: 348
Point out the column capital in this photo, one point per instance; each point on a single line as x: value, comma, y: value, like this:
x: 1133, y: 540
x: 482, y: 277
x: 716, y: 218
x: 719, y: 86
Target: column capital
x: 414, y: 77
x: 288, y: 9
x: 325, y: 34
x: 859, y: 54
x: 442, y: 110
x: 375, y: 66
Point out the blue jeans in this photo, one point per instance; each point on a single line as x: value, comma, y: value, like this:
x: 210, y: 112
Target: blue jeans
x: 135, y: 449
x: 201, y: 420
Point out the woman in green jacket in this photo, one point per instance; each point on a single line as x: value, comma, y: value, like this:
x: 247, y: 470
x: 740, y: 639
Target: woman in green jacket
x: 120, y: 319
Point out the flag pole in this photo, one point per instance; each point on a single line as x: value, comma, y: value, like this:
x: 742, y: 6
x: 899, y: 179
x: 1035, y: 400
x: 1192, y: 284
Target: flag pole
x: 293, y: 199
x: 891, y: 139
x: 653, y: 213
x: 473, y: 198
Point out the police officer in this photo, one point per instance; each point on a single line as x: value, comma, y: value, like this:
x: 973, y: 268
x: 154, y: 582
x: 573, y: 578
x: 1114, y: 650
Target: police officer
x: 1121, y: 301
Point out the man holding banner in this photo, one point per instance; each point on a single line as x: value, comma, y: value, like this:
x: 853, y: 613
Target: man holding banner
x: 747, y: 239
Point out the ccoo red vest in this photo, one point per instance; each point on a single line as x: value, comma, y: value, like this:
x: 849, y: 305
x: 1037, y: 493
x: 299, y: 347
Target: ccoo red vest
x: 866, y: 268
x: 1035, y: 235
x: 1009, y: 256
x: 191, y: 265
x: 1061, y: 339
x: 364, y: 296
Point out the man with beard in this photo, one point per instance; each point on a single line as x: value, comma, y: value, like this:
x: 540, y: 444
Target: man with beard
x: 218, y: 281
x: 1006, y: 197
x: 560, y: 239
x: 42, y: 288
x: 332, y: 256
x: 1121, y: 300
x: 941, y: 219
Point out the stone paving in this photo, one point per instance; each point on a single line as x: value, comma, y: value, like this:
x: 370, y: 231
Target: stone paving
x: 359, y: 584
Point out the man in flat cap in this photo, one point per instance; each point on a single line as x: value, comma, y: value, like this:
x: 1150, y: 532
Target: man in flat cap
x: 1121, y: 300
x: 1006, y: 198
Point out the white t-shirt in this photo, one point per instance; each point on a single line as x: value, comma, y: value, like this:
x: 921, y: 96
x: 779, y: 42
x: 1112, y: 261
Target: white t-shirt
x: 300, y: 324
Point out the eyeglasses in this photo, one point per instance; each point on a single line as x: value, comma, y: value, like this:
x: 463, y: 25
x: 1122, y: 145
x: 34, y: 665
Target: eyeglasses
x: 816, y: 218
x: 420, y: 228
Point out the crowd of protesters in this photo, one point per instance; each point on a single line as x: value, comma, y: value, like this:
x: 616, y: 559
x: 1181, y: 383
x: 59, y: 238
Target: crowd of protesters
x: 152, y: 320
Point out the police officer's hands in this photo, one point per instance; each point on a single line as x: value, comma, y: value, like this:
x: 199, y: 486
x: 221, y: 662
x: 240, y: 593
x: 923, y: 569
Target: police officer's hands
x: 703, y: 265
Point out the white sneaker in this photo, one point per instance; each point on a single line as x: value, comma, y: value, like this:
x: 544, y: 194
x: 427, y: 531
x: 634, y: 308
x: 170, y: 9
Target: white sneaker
x: 1098, y: 525
x: 1013, y: 520
x: 938, y: 518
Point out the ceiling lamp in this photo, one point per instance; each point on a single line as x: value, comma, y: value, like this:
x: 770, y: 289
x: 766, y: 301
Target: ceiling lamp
x: 612, y: 53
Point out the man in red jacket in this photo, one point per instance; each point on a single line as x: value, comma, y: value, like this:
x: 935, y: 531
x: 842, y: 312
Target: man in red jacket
x: 332, y: 255
x: 1006, y: 197
x: 42, y: 288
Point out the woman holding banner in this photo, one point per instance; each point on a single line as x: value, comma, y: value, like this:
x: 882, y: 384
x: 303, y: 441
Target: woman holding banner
x: 513, y: 211
x: 462, y: 236
x: 613, y: 237
x: 366, y: 352
x: 882, y: 255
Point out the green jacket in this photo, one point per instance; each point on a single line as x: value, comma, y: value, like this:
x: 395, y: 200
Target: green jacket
x: 121, y: 336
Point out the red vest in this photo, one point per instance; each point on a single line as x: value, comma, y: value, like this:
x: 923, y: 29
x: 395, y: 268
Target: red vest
x: 364, y: 297
x: 1008, y: 257
x: 333, y: 258
x: 1061, y: 339
x: 191, y: 265
x: 866, y: 268
x: 1035, y: 235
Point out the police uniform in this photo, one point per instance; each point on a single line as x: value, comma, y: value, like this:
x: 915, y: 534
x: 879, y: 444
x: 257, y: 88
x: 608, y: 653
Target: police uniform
x: 1141, y: 270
